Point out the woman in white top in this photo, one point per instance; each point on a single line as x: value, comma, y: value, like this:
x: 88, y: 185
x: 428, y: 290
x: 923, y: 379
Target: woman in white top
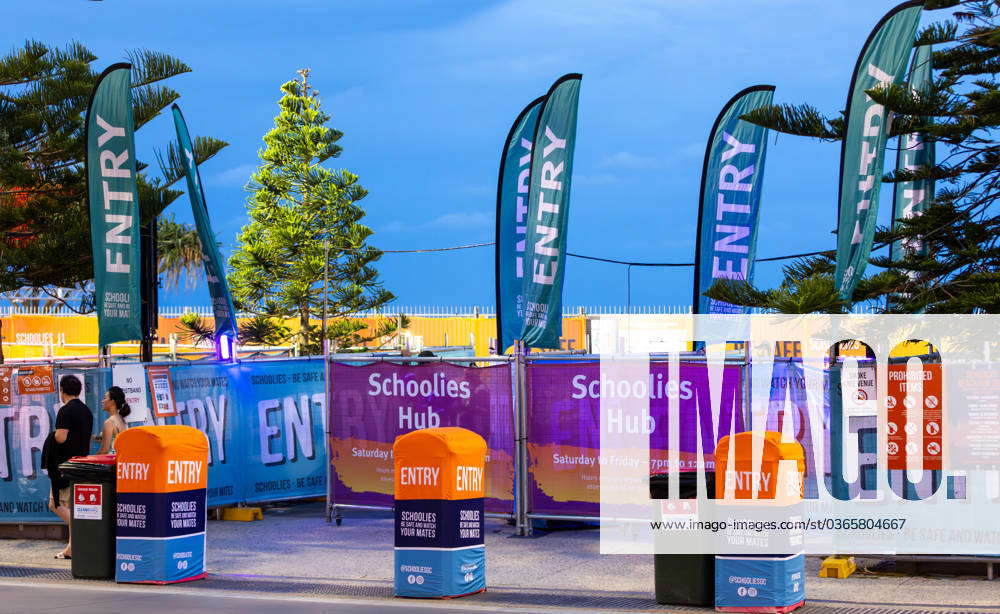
x: 113, y: 403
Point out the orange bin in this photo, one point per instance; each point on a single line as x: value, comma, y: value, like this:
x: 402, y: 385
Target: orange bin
x: 440, y: 474
x: 782, y: 466
x: 772, y: 583
x: 162, y: 475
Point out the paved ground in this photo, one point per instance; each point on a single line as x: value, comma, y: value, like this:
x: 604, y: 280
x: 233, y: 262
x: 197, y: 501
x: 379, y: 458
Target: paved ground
x: 103, y: 600
x: 293, y: 555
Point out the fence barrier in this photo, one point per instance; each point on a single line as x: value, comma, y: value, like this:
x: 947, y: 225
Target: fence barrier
x: 265, y: 421
x: 564, y: 421
x: 372, y: 404
x: 281, y: 429
x: 278, y: 432
x: 539, y: 415
x: 24, y: 425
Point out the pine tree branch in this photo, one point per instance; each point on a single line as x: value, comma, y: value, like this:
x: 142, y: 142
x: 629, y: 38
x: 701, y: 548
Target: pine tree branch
x: 150, y: 67
x: 172, y: 166
x: 801, y: 120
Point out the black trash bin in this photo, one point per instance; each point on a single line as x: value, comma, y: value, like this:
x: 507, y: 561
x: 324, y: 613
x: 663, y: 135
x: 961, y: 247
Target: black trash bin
x: 92, y: 488
x: 683, y: 579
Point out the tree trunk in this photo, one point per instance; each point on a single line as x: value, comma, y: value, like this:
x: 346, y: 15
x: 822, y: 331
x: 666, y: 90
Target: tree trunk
x: 304, y: 325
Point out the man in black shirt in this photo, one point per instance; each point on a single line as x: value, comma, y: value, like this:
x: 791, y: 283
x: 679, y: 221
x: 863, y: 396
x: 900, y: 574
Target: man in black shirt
x: 74, y: 428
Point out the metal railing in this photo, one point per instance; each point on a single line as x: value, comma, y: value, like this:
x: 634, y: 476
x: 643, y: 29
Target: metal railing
x: 33, y: 306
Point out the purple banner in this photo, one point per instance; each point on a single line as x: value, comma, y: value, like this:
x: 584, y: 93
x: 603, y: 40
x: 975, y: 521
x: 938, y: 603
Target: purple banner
x: 373, y: 404
x: 564, y: 426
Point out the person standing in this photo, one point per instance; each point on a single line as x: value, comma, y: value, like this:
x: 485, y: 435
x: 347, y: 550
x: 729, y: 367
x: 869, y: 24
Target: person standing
x: 113, y: 403
x: 74, y: 426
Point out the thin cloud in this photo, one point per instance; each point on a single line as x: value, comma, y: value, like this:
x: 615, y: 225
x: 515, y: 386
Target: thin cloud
x: 600, y: 178
x: 350, y: 96
x: 630, y: 161
x: 626, y: 160
x: 461, y: 220
x: 479, y: 190
x: 690, y: 151
x: 236, y: 176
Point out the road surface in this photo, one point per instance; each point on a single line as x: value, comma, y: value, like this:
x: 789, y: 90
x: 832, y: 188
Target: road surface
x: 20, y: 598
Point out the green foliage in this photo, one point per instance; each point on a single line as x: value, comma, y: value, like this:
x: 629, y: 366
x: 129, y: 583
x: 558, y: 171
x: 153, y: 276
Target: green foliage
x: 179, y: 251
x: 262, y: 330
x: 172, y: 166
x: 196, y: 330
x: 151, y: 67
x: 808, y: 288
x: 906, y: 102
x: 304, y: 220
x: 800, y: 120
x: 960, y: 229
x: 346, y: 331
x: 44, y: 217
x: 937, y: 34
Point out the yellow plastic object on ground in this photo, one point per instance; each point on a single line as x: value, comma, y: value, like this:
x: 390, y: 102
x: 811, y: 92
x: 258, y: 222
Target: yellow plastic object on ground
x: 837, y: 567
x: 242, y: 514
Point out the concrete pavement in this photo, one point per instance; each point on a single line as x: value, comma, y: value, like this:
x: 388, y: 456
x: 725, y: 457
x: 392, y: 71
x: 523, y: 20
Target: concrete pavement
x: 113, y: 600
x: 292, y: 554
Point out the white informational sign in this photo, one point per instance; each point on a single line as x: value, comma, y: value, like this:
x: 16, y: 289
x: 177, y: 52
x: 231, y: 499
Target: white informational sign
x: 858, y: 388
x: 132, y: 379
x: 638, y: 334
x: 87, y: 501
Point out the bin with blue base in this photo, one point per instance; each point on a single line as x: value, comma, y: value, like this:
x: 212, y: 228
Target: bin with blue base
x: 161, y: 512
x: 761, y: 582
x: 749, y: 583
x: 439, y: 534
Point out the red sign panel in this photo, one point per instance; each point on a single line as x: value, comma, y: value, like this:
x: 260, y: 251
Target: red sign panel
x: 35, y: 380
x: 6, y: 385
x: 87, y: 501
x: 88, y: 494
x: 907, y: 437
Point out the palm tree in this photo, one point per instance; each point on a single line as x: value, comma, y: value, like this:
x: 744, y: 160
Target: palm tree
x: 179, y: 251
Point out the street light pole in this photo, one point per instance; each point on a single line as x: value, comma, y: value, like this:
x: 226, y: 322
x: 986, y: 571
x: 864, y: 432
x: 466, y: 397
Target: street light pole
x: 326, y: 285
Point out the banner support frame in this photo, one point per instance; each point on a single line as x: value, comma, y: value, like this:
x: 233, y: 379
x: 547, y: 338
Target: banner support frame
x: 332, y: 513
x: 522, y: 522
x: 745, y: 379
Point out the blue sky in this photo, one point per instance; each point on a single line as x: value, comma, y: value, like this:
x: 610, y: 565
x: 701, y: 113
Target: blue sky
x: 425, y: 91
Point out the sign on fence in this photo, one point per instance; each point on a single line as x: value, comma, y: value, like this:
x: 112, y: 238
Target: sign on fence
x: 24, y: 425
x: 161, y: 390
x: 564, y: 427
x: 371, y: 405
x: 204, y: 399
x: 264, y: 422
x: 35, y: 380
x: 132, y: 380
x: 285, y: 412
x: 6, y: 385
